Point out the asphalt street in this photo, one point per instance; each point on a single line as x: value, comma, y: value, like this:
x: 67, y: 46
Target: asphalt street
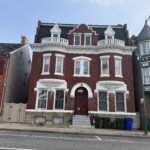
x: 17, y: 140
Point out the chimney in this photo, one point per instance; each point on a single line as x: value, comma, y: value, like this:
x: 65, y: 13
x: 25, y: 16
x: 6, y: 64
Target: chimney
x: 24, y: 40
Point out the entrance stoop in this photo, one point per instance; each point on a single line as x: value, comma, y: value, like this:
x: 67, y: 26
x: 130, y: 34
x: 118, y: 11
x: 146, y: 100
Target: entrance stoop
x: 81, y: 121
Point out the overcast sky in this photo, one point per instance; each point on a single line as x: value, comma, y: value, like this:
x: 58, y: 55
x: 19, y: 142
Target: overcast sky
x: 20, y: 17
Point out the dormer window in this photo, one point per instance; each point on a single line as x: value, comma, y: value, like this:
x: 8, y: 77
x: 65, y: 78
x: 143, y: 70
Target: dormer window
x: 55, y: 35
x: 77, y: 39
x: 109, y: 37
x: 55, y: 31
x: 109, y: 33
x: 87, y: 39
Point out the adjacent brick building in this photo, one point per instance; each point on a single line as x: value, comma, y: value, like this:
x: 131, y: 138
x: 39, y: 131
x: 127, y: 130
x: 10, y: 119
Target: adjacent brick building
x: 81, y: 70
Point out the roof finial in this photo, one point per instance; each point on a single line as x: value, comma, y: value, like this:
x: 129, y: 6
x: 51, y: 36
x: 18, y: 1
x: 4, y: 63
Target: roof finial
x: 147, y: 20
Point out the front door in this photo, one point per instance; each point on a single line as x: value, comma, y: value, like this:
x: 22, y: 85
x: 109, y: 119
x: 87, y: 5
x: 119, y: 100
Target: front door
x: 81, y: 102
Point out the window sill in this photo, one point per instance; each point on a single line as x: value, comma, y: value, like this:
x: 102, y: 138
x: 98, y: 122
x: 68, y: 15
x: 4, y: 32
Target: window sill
x: 119, y: 76
x: 105, y: 76
x: 40, y: 109
x: 103, y: 111
x: 81, y: 75
x: 45, y: 73
x: 59, y: 74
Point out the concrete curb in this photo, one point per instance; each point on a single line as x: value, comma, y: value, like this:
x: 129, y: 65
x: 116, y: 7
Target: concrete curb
x: 81, y: 131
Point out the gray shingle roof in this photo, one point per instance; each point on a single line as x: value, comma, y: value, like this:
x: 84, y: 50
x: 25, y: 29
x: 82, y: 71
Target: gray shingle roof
x: 6, y: 48
x: 145, y: 33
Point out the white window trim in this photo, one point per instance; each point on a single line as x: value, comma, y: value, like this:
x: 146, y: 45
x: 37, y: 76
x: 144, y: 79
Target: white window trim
x: 46, y: 73
x: 62, y: 66
x: 125, y: 101
x: 101, y: 58
x: 54, y: 100
x: 82, y: 59
x: 119, y: 58
x: 37, y: 97
x: 77, y: 34
x: 107, y: 101
x: 85, y: 35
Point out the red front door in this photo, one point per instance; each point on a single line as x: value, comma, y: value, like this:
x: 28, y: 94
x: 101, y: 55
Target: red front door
x: 81, y: 102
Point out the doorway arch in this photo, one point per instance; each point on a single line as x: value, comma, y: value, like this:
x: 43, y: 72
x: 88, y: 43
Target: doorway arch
x: 81, y: 101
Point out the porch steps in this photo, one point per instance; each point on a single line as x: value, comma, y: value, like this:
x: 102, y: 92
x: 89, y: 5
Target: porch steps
x: 81, y: 121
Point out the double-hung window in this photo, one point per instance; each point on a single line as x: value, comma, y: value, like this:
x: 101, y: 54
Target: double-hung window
x: 46, y: 64
x: 59, y: 64
x: 87, y: 39
x: 105, y: 66
x: 59, y: 99
x: 146, y: 75
x: 77, y: 39
x: 120, y: 102
x: 82, y: 66
x: 118, y: 66
x: 103, y: 101
x: 42, y: 98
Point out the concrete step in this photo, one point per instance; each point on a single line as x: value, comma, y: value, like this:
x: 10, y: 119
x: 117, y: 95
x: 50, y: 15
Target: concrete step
x: 81, y: 121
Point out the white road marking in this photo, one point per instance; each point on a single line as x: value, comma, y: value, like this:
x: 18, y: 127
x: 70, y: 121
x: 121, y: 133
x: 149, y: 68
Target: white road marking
x: 5, y: 148
x: 98, y: 138
x: 124, y: 141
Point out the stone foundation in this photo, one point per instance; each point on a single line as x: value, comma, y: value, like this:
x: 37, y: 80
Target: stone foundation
x: 49, y: 118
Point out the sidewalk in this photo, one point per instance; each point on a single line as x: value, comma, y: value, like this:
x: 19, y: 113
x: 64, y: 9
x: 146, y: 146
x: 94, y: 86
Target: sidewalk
x: 35, y: 128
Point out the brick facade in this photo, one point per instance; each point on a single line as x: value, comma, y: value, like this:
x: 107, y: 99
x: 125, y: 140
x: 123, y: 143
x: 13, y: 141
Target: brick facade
x: 4, y: 66
x: 94, y: 78
x: 91, y: 81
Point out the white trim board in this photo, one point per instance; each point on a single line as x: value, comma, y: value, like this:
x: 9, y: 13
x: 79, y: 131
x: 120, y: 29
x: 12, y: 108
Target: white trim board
x: 41, y: 110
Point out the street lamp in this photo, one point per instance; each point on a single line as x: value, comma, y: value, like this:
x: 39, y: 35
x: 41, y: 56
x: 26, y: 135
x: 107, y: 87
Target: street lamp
x: 143, y: 97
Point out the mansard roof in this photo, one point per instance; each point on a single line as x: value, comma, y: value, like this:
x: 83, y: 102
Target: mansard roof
x: 6, y: 48
x: 43, y: 30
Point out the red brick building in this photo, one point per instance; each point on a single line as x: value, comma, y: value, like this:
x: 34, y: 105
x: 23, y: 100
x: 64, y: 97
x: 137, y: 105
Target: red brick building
x: 81, y: 70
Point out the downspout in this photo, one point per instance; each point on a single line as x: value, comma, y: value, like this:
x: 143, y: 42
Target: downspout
x: 5, y: 82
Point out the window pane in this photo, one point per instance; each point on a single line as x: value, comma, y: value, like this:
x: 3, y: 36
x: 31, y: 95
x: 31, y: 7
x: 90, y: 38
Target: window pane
x: 146, y: 75
x: 59, y: 102
x: 77, y: 39
x: 103, y: 101
x: 109, y: 37
x: 86, y: 67
x: 118, y: 67
x: 78, y: 67
x: 42, y: 98
x: 59, y: 64
x: 105, y: 69
x: 46, y: 62
x: 144, y: 48
x: 120, y: 101
x: 88, y: 40
x: 55, y: 35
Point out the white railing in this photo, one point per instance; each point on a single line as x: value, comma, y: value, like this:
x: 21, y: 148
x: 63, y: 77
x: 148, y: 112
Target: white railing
x: 54, y: 39
x: 111, y: 41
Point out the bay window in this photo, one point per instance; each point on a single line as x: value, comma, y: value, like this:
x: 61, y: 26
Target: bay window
x: 42, y: 98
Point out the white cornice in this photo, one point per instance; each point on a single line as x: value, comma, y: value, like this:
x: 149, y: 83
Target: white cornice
x: 59, y: 47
